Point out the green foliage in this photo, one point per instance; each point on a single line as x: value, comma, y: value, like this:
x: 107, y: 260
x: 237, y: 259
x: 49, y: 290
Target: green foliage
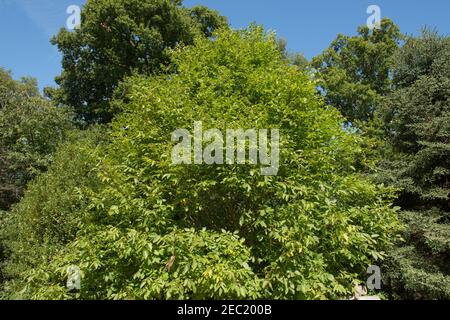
x: 207, y: 20
x: 354, y: 71
x: 30, y: 130
x: 417, y: 120
x: 295, y: 58
x: 117, y: 38
x: 160, y: 231
x: 48, y: 217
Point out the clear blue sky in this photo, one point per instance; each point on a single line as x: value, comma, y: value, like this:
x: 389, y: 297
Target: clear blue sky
x: 309, y: 26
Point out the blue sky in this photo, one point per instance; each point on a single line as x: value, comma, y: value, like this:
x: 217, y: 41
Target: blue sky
x: 309, y: 26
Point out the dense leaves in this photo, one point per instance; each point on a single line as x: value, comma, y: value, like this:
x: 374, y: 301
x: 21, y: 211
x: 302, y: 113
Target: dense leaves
x: 117, y: 38
x: 31, y: 129
x: 354, y: 71
x: 49, y: 215
x: 399, y: 98
x: 110, y: 201
x: 417, y: 118
x: 155, y: 230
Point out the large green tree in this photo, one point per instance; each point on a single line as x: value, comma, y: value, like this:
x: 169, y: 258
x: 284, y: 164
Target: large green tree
x: 31, y: 128
x: 117, y: 38
x: 354, y: 72
x: 48, y: 215
x: 417, y: 120
x: 156, y: 230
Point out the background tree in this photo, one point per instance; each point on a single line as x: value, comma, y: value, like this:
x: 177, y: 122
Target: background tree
x: 417, y: 122
x: 353, y: 72
x: 31, y: 129
x: 48, y: 216
x: 295, y: 58
x: 117, y: 38
x: 226, y: 231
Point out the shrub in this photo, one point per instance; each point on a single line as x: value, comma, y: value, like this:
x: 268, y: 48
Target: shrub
x: 49, y: 215
x: 161, y: 231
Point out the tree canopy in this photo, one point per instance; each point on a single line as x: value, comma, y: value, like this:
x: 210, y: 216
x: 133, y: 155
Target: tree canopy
x: 354, y: 72
x: 48, y: 216
x: 31, y: 129
x: 357, y: 141
x: 116, y: 39
x: 417, y: 121
x: 156, y: 230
